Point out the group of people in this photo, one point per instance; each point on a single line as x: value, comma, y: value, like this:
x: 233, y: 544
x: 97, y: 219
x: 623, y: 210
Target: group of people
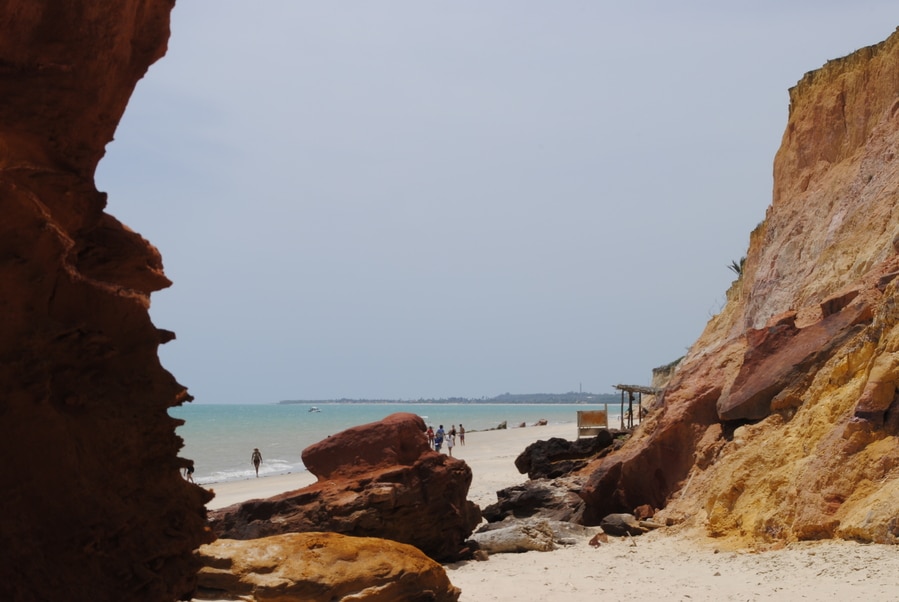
x: 437, y: 438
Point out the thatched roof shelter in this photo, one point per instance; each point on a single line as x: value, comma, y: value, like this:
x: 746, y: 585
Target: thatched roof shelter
x: 627, y: 417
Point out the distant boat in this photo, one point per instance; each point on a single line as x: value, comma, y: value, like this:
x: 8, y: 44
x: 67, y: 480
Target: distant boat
x: 314, y: 409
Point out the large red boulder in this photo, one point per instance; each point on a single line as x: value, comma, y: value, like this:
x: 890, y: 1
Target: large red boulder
x: 375, y: 480
x: 398, y: 439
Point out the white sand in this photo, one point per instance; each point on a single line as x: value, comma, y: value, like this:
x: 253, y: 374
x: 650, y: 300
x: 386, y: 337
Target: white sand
x: 491, y: 455
x: 233, y: 492
x: 651, y: 567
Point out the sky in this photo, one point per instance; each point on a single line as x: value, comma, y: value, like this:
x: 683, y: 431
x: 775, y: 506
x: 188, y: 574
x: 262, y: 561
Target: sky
x: 421, y: 199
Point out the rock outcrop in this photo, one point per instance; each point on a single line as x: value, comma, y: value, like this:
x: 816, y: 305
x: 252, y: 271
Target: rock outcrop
x: 622, y: 524
x: 553, y: 499
x: 522, y: 535
x: 321, y: 567
x: 94, y: 507
x: 375, y: 480
x: 781, y: 421
x: 558, y: 457
x: 516, y: 538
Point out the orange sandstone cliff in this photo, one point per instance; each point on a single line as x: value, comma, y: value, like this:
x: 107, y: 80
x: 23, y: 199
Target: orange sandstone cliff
x: 93, y: 505
x: 781, y: 422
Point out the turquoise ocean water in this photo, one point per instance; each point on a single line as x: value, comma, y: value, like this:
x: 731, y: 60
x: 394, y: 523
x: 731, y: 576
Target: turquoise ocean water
x: 220, y: 438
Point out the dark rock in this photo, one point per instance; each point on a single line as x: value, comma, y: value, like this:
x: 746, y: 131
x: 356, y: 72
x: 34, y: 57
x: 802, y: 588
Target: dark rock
x: 837, y: 304
x: 886, y: 278
x: 419, y: 501
x: 621, y: 524
x: 558, y: 457
x: 556, y: 499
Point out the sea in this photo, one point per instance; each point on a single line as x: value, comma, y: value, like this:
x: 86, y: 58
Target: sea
x: 220, y: 438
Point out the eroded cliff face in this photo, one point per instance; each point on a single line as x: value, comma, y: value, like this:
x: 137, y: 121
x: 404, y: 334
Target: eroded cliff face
x: 781, y: 422
x: 93, y: 505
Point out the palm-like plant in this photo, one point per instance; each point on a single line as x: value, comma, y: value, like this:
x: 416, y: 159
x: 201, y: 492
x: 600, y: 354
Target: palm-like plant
x: 737, y: 267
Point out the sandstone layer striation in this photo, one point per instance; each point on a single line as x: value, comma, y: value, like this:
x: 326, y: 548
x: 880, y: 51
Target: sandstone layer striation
x: 93, y: 505
x: 781, y: 422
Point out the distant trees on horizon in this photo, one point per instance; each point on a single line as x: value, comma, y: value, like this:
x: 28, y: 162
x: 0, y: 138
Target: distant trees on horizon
x: 540, y: 398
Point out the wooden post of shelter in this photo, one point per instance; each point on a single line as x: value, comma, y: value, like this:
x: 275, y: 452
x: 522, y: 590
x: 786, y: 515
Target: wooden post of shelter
x: 628, y: 416
x: 630, y: 409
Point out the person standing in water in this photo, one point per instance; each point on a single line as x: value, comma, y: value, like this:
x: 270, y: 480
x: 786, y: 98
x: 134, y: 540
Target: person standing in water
x: 438, y: 438
x: 256, y: 458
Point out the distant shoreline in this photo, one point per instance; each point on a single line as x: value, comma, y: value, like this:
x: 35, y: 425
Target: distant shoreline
x: 506, y: 399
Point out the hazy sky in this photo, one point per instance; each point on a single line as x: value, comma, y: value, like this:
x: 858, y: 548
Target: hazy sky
x: 459, y: 198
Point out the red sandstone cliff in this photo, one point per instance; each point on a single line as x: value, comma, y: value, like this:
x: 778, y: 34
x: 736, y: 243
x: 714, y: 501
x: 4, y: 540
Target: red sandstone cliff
x: 93, y: 506
x: 781, y: 422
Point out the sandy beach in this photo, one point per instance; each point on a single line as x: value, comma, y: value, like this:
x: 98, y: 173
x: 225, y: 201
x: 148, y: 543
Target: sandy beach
x: 653, y: 566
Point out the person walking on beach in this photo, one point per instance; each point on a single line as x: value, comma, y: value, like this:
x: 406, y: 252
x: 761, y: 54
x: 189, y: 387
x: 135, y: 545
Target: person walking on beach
x: 461, y: 434
x: 438, y: 438
x: 450, y: 442
x: 189, y: 473
x: 430, y: 437
x: 256, y: 458
x: 452, y: 434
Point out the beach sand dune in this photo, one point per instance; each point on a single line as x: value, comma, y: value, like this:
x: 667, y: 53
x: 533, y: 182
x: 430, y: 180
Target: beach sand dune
x: 655, y: 566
